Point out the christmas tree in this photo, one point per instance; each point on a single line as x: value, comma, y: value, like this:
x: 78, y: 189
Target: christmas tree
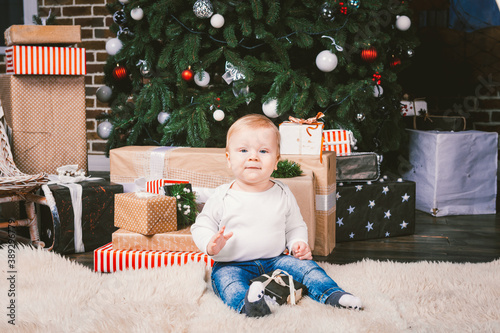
x: 180, y: 72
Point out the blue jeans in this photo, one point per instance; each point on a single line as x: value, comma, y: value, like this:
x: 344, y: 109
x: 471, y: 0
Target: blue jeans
x: 231, y: 280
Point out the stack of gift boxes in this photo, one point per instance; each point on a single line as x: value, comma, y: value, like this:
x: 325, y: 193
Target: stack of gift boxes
x: 367, y: 206
x: 43, y: 96
x: 151, y: 231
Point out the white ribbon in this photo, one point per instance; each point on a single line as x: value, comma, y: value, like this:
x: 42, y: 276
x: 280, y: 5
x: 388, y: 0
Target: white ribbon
x: 325, y: 202
x: 75, y: 191
x: 157, y: 162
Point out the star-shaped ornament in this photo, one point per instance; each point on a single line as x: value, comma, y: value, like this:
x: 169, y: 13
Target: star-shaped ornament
x: 387, y: 215
x: 351, y: 235
x: 351, y: 209
x: 385, y: 189
x: 369, y: 226
x: 403, y: 225
x: 371, y: 204
x: 387, y: 234
x: 359, y: 188
x: 405, y: 197
x: 337, y: 195
x: 340, y: 221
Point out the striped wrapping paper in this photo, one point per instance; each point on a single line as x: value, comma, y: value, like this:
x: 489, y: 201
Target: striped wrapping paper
x: 337, y: 140
x: 45, y: 60
x: 153, y: 186
x: 108, y: 260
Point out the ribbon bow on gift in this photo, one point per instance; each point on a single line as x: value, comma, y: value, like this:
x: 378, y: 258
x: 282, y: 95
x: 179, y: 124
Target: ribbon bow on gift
x: 308, y: 121
x: 311, y: 121
x: 277, y: 276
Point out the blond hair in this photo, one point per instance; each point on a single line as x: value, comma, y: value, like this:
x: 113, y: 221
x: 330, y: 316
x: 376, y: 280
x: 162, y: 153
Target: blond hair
x: 253, y: 121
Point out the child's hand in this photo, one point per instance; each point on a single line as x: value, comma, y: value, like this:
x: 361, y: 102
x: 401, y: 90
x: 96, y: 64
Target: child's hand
x: 301, y: 251
x: 218, y: 241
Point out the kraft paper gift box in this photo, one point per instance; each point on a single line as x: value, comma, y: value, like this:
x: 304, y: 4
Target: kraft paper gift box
x: 45, y: 60
x: 206, y: 168
x: 301, y: 138
x: 47, y: 117
x: 42, y: 34
x: 145, y: 213
x: 66, y: 233
x: 375, y: 210
x: 107, y: 259
x: 338, y: 140
x: 179, y: 240
x: 455, y: 172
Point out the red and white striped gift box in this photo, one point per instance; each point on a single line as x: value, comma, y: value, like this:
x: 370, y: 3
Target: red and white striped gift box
x: 153, y: 186
x: 45, y: 60
x: 108, y: 260
x: 337, y: 140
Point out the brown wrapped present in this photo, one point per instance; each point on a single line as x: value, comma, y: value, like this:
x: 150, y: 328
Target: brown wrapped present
x: 42, y: 34
x: 206, y: 168
x: 47, y: 118
x: 145, y: 213
x: 179, y: 240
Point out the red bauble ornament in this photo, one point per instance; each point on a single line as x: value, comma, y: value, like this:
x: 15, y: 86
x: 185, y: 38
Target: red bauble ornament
x: 369, y: 55
x: 395, y: 62
x: 119, y: 72
x: 187, y: 74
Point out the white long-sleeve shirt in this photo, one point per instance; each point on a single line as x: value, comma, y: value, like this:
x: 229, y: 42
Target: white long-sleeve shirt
x: 263, y: 223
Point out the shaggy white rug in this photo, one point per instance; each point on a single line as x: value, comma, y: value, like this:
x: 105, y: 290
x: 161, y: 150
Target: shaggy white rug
x: 53, y: 294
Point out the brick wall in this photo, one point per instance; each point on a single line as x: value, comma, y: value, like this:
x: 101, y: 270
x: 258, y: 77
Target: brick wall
x: 94, y: 19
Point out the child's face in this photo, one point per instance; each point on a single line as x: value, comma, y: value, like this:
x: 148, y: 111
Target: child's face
x: 252, y: 155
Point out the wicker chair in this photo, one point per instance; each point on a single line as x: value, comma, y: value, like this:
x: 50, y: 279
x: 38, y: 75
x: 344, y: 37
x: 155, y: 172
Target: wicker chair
x: 17, y: 186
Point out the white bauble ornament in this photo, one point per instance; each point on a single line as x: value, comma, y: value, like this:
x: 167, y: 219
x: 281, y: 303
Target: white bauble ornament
x: 104, y: 129
x: 326, y: 61
x: 113, y: 46
x: 202, y: 79
x: 137, y: 13
x: 270, y: 108
x: 378, y: 91
x: 219, y: 115
x: 217, y: 21
x: 403, y: 22
x: 163, y: 117
x: 104, y: 94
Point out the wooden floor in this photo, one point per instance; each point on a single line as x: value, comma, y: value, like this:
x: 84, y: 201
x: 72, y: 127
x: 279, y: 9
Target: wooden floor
x: 474, y: 238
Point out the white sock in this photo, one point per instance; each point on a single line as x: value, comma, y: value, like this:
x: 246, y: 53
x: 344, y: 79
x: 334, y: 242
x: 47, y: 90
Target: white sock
x: 351, y: 302
x: 255, y: 292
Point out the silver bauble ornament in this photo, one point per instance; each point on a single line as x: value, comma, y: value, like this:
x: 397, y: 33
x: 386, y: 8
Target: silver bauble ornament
x: 104, y: 94
x: 163, y: 117
x: 104, y: 129
x: 203, y: 8
x: 202, y: 79
x: 146, y: 70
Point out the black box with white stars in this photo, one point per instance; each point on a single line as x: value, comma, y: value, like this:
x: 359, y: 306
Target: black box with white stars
x: 376, y: 209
